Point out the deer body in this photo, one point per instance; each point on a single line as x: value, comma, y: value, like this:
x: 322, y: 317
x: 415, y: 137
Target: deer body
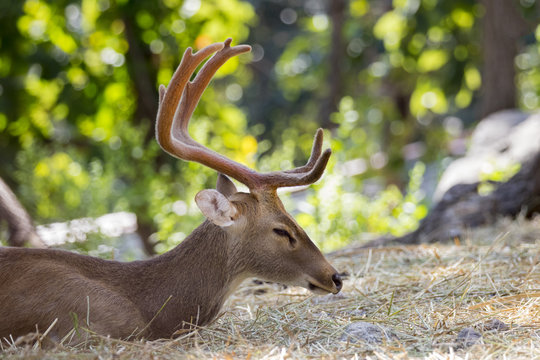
x: 119, y: 299
x: 245, y: 235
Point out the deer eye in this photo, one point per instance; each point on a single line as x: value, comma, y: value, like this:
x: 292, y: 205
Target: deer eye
x: 285, y: 233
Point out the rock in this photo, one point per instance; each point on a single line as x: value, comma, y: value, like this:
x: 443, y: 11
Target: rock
x: 494, y: 325
x: 366, y: 332
x: 468, y: 337
x: 462, y: 208
x: 492, y: 132
x: 503, y: 138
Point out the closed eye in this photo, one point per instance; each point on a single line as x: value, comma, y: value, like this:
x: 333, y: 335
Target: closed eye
x: 285, y: 233
x: 282, y: 232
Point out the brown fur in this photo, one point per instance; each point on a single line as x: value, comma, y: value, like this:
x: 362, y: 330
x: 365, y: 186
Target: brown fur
x: 189, y: 283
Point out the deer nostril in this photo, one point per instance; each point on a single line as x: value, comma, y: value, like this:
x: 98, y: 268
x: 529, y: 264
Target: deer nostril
x: 337, y: 281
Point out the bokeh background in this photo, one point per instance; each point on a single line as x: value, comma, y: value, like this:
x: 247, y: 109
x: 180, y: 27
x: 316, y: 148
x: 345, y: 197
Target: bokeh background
x: 397, y: 86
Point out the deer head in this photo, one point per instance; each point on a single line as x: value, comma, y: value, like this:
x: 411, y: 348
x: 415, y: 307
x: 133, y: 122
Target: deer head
x: 266, y: 241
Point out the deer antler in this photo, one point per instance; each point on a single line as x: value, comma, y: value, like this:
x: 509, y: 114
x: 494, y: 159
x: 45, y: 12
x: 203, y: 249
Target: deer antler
x: 177, y: 103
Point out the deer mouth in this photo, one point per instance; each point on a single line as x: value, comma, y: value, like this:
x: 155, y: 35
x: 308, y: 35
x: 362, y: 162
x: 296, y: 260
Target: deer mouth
x: 316, y: 289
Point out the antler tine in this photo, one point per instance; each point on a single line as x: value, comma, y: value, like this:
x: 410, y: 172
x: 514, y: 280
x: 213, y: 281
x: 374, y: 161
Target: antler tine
x: 194, y: 89
x: 294, y: 177
x: 315, y: 154
x: 162, y: 90
x: 169, y: 97
x: 177, y: 104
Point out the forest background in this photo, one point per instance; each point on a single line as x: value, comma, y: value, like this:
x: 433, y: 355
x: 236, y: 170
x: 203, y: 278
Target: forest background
x: 397, y: 86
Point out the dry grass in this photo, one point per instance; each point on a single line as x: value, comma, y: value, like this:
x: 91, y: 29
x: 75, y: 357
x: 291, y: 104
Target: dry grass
x: 425, y: 294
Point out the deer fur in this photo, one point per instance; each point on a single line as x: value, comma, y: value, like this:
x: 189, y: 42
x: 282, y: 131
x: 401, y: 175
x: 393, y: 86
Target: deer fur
x: 155, y: 298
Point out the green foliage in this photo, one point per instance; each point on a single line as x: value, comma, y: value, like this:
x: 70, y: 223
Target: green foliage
x: 340, y: 213
x: 495, y: 173
x: 528, y: 80
x: 78, y: 106
x: 78, y: 85
x: 404, y: 69
x: 499, y: 173
x: 337, y: 210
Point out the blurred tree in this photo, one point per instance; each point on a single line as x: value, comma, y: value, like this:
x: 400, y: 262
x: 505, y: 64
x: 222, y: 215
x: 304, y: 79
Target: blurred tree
x: 503, y: 27
x: 79, y: 98
x: 412, y: 69
x: 397, y: 81
x: 21, y: 229
x: 336, y: 11
x: 412, y: 78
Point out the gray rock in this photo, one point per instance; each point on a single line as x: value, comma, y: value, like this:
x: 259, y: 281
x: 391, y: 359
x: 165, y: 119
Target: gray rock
x: 503, y: 138
x: 468, y: 337
x: 372, y: 334
x: 494, y: 325
x: 492, y: 132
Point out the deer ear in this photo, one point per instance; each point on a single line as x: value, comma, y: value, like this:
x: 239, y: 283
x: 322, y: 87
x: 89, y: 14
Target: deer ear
x: 225, y: 185
x: 215, y: 206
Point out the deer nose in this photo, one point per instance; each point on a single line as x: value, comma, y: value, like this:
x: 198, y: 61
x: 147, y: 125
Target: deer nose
x: 337, y: 281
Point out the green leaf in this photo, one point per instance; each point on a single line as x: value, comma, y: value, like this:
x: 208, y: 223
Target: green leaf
x: 431, y: 60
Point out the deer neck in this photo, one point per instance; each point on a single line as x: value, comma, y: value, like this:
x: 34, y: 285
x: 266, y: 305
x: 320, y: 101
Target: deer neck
x: 192, y: 281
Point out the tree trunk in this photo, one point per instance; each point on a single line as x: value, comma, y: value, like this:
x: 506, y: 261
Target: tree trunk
x: 21, y: 229
x: 143, y: 77
x: 143, y: 80
x: 337, y: 54
x: 502, y: 27
x: 145, y: 229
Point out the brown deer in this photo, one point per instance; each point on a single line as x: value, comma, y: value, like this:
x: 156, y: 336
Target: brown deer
x: 245, y: 235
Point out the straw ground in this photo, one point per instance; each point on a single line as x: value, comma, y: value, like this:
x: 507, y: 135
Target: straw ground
x: 478, y: 297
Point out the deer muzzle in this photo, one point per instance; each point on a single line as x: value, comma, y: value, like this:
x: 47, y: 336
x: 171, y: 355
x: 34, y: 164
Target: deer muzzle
x: 332, y: 284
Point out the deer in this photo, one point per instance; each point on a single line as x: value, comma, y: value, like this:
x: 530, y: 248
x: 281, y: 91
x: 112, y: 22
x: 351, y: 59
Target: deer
x: 244, y: 235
